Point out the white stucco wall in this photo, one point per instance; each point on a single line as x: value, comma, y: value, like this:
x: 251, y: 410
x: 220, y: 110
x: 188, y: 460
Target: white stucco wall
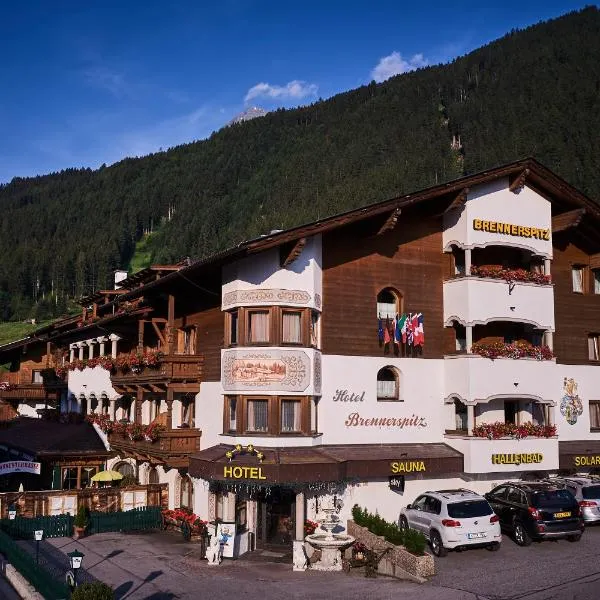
x: 494, y: 202
x: 421, y: 391
x: 262, y: 272
x: 90, y: 381
x: 473, y: 300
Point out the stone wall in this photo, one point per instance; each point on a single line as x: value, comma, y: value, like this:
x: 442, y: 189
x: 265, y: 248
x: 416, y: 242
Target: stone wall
x: 397, y: 558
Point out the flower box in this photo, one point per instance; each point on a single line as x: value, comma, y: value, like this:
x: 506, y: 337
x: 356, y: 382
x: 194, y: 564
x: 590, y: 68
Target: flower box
x: 511, y: 275
x: 515, y: 350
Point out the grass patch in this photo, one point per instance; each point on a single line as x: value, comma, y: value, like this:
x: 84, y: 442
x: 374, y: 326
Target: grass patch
x: 142, y: 257
x: 10, y: 332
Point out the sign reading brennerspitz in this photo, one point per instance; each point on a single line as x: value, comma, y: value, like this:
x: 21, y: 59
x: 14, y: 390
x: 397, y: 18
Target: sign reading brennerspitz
x: 20, y: 466
x: 517, y: 459
x: 509, y: 229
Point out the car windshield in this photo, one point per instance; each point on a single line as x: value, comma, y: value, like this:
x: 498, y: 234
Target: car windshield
x: 552, y: 498
x: 469, y: 509
x: 591, y: 492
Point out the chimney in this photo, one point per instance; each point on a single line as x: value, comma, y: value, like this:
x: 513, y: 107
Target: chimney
x: 119, y: 276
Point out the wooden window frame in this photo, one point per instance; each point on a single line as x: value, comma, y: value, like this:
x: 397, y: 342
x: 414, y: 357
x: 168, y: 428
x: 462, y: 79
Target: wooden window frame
x: 584, y: 278
x: 247, y: 314
x: 397, y: 376
x: 591, y: 336
x: 229, y: 327
x: 592, y: 428
x: 304, y: 326
x: 593, y: 281
x: 274, y: 414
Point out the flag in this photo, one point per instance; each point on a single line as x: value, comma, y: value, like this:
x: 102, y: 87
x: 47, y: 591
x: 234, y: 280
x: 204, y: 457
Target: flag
x: 409, y: 330
x: 404, y: 329
x: 414, y: 322
x: 386, y: 333
x: 421, y: 330
x: 380, y: 330
x: 393, y: 330
x: 399, y: 321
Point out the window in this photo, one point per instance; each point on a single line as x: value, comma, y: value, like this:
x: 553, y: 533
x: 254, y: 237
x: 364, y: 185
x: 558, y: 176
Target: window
x: 389, y: 304
x: 104, y: 404
x: 595, y: 415
x: 258, y: 327
x: 241, y: 514
x: 460, y: 416
x: 233, y: 327
x: 469, y: 509
x: 577, y: 276
x: 460, y: 334
x: 231, y: 423
x: 291, y: 327
x: 154, y: 408
x: 69, y: 478
x: 419, y: 503
x: 186, y: 341
x: 86, y: 476
x: 186, y: 495
x: 596, y: 273
x: 516, y: 496
x: 388, y: 384
x: 594, y: 346
x: 257, y: 417
x: 511, y: 411
x: 153, y: 475
x: 63, y: 505
x: 36, y: 377
x: 290, y: 415
x: 315, y: 337
x: 135, y: 499
x: 125, y: 469
x: 188, y: 410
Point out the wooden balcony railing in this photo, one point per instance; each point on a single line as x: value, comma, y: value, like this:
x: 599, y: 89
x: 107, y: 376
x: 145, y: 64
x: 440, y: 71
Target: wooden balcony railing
x: 173, y: 447
x: 173, y: 367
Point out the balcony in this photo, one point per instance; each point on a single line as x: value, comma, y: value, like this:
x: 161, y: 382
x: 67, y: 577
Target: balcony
x: 171, y: 448
x: 182, y: 369
x: 479, y: 300
x: 482, y: 455
x: 25, y: 385
x: 472, y: 378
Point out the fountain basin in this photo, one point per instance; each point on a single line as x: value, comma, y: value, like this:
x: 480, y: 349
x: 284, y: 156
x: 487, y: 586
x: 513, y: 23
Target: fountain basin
x: 331, y: 546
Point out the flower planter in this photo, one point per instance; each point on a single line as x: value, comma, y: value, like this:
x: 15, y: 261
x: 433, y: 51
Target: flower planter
x: 397, y: 560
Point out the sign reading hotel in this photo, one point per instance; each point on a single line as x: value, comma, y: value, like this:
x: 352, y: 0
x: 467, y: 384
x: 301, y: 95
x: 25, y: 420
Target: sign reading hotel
x: 537, y: 233
x: 243, y: 473
x: 517, y: 459
x: 20, y: 466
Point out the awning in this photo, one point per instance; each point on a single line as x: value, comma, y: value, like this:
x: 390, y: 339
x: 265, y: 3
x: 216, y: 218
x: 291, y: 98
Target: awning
x: 579, y: 455
x: 296, y: 465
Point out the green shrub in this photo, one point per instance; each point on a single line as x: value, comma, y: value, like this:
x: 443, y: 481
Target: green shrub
x: 81, y: 519
x: 128, y: 480
x: 415, y: 542
x: 93, y: 591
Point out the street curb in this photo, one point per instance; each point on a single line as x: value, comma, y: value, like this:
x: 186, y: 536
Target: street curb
x: 21, y: 585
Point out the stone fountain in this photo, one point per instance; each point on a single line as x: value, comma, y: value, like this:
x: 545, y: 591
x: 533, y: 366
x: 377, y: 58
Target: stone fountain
x: 330, y: 544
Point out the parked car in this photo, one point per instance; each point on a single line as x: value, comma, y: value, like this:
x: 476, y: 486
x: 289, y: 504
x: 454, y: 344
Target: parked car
x: 536, y: 511
x: 587, y: 493
x: 453, y: 519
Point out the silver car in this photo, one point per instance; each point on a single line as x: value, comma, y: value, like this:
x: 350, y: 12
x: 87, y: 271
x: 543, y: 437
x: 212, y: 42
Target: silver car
x: 586, y: 491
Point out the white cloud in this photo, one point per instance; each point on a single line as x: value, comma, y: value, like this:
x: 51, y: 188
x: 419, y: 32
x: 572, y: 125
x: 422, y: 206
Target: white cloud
x: 394, y: 64
x: 294, y: 90
x: 107, y: 79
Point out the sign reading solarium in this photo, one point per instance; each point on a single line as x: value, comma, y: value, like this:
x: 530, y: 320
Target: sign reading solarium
x: 510, y: 229
x: 517, y: 459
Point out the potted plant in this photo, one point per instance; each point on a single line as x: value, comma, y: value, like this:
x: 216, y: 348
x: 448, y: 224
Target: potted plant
x: 358, y: 551
x: 80, y: 523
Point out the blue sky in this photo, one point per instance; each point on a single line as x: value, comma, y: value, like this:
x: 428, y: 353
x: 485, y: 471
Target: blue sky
x: 86, y: 83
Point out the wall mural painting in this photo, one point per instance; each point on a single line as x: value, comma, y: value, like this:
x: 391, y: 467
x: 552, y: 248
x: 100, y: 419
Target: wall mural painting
x: 570, y: 405
x: 318, y: 373
x: 281, y: 370
x: 265, y: 296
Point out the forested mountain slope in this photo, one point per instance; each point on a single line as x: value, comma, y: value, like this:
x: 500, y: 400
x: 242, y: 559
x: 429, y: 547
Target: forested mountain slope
x: 534, y: 92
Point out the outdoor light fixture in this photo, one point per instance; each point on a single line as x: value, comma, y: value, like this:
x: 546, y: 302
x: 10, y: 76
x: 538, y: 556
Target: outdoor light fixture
x: 38, y: 535
x: 12, y: 512
x: 75, y: 558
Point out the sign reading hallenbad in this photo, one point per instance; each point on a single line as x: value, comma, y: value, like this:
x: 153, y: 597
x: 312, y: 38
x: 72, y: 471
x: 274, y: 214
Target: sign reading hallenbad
x: 20, y: 466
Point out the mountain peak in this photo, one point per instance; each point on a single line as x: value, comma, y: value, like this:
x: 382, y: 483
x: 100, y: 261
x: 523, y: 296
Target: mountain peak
x: 250, y: 113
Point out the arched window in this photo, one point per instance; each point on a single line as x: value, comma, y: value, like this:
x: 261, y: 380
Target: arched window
x: 83, y: 404
x: 93, y: 403
x: 153, y: 475
x: 460, y: 416
x: 186, y: 494
x: 104, y: 403
x: 125, y: 469
x: 389, y: 303
x: 388, y: 384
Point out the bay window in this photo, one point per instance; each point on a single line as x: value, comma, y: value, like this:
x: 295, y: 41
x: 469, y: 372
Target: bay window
x: 258, y: 415
x: 290, y: 416
x: 258, y: 327
x: 291, y: 327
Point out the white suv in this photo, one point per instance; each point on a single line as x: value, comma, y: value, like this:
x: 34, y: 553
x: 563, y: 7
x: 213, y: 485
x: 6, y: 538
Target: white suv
x: 453, y: 519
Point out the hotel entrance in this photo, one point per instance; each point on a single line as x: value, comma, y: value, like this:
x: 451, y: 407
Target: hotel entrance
x: 276, y: 508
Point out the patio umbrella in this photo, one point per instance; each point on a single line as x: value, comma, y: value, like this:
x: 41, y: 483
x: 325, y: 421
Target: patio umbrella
x: 107, y: 476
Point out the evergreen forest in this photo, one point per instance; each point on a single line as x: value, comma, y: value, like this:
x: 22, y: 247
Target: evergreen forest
x: 534, y: 92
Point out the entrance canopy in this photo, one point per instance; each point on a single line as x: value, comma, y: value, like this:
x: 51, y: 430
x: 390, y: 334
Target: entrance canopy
x: 304, y: 465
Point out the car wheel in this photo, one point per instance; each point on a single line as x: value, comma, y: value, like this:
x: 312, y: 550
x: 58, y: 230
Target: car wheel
x: 403, y: 524
x: 436, y: 545
x: 494, y: 547
x: 574, y: 538
x: 521, y: 536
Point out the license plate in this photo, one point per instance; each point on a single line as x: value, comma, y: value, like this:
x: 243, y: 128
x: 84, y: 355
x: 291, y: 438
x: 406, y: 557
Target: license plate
x: 562, y: 515
x: 475, y: 536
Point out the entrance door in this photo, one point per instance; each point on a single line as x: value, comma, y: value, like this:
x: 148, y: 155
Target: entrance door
x: 276, y: 516
x: 511, y: 410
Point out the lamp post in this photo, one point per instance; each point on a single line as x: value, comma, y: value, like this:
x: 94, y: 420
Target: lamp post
x: 12, y: 512
x: 38, y: 534
x: 75, y: 558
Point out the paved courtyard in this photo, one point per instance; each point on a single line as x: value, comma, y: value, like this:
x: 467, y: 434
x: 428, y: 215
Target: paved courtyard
x: 161, y: 566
